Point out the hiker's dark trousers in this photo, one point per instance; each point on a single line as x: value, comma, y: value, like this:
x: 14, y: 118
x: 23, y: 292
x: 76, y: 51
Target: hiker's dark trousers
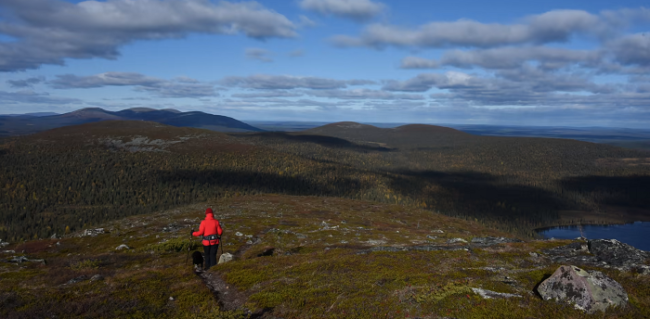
x: 210, y: 255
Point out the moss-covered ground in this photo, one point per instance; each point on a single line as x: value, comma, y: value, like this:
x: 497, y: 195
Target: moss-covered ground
x: 321, y: 267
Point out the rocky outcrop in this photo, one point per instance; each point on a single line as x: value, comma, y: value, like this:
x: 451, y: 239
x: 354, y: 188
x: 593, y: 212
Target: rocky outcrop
x: 618, y: 254
x: 599, y: 253
x: 489, y: 241
x: 589, y: 291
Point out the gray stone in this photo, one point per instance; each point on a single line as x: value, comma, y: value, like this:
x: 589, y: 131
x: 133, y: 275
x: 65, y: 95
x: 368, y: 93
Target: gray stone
x: 97, y: 277
x: 224, y: 258
x: 238, y: 234
x: 489, y: 294
x: 76, y: 280
x: 53, y: 236
x: 92, y: 232
x: 432, y: 237
x: 489, y: 241
x: 439, y: 231
x: 589, y: 291
x: 456, y: 240
x: 123, y: 246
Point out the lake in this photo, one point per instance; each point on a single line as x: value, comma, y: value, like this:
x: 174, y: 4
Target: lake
x: 636, y: 234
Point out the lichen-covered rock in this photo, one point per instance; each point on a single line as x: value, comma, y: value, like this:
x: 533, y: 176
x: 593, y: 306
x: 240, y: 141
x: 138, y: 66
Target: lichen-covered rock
x: 123, y: 246
x: 588, y: 291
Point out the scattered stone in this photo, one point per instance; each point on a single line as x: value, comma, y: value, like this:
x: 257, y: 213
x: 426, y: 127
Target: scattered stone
x: 22, y: 259
x: 489, y: 241
x: 92, y: 232
x: 432, y: 237
x: 456, y: 240
x: 123, y: 246
x: 410, y: 248
x: 249, y: 242
x: 76, y: 280
x: 534, y: 255
x: 439, y: 231
x: 238, y: 234
x: 171, y: 298
x: 58, y: 243
x: 224, y: 258
x: 589, y: 291
x: 97, y: 277
x: 171, y: 228
x: 3, y: 243
x: 53, y: 236
x: 9, y: 251
x: 489, y: 294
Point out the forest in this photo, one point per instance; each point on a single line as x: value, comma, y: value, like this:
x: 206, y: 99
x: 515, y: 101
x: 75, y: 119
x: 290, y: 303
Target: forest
x: 71, y: 178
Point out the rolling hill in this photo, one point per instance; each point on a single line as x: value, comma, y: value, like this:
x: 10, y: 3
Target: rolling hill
x: 22, y: 125
x: 75, y: 176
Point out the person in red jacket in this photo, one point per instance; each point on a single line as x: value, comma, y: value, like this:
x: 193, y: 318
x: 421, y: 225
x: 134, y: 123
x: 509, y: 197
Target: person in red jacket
x: 211, y: 232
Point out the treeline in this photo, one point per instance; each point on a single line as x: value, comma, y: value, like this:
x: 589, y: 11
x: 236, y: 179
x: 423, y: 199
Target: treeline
x: 67, y: 179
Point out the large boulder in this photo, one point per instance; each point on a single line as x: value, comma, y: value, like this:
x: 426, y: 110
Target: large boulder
x: 586, y: 290
x: 224, y: 258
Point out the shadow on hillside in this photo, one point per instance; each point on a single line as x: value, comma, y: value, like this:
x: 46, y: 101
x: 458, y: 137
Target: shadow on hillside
x: 262, y: 182
x: 480, y: 195
x: 327, y: 141
x: 630, y: 191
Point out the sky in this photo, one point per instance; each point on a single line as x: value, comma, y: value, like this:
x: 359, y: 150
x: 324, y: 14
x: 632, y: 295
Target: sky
x: 530, y: 63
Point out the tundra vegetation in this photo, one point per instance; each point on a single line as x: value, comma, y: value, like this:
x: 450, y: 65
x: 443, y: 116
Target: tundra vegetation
x: 322, y: 266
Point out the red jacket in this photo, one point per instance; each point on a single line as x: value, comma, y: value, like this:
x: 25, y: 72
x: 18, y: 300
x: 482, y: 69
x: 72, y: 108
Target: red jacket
x: 209, y: 226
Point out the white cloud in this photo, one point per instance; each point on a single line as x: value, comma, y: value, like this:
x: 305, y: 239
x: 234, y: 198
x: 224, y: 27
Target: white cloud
x: 359, y: 10
x: 264, y: 81
x: 49, y: 31
x: 178, y: 88
x: 259, y: 54
x: 552, y: 26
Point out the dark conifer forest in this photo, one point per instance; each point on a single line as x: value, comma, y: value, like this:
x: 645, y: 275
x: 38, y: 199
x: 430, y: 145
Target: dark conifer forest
x: 75, y: 177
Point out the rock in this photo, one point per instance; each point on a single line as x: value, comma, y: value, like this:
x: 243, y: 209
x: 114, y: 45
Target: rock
x: 456, y: 240
x: 643, y: 270
x: 123, y: 246
x: 489, y: 241
x: 53, y: 236
x: 171, y: 298
x: 9, y: 251
x: 21, y: 259
x: 97, y: 277
x: 224, y: 258
x: 489, y: 294
x: 599, y: 253
x: 58, y: 243
x: 617, y: 254
x: 76, y: 280
x: 432, y: 237
x: 533, y: 254
x: 589, y: 291
x: 92, y: 232
x: 3, y: 243
x: 439, y: 231
x: 238, y: 234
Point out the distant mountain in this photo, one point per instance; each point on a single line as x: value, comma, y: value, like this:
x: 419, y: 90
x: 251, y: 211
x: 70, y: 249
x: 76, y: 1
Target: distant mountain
x: 36, y: 114
x: 28, y: 124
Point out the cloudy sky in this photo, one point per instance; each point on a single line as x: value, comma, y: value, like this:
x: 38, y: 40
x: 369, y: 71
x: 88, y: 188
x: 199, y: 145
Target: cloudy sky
x: 569, y: 63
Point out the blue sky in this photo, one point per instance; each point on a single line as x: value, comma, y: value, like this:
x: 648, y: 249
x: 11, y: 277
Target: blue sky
x: 569, y: 63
